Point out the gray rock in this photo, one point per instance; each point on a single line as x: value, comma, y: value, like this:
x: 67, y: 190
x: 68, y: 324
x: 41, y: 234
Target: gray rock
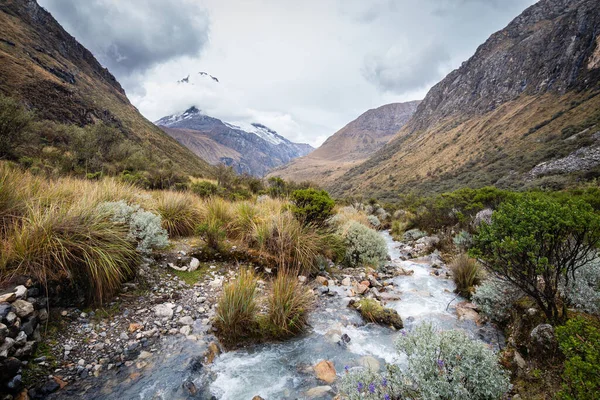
x: 8, y: 297
x: 543, y: 341
x: 21, y: 292
x: 163, y: 311
x: 187, y: 320
x: 21, y: 339
x: 194, y: 264
x: 3, y: 332
x: 23, y: 308
x: 5, y: 308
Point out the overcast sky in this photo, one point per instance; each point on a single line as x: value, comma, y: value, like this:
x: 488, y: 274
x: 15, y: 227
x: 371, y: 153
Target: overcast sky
x: 304, y: 68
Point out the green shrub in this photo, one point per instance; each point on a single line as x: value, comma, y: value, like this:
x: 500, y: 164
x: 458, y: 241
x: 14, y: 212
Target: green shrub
x: 213, y: 232
x: 364, y: 246
x: 145, y: 228
x: 440, y: 365
x: 204, y: 189
x: 579, y: 340
x: 14, y: 125
x: 466, y: 274
x: 463, y: 240
x: 333, y: 246
x: 312, y: 206
x: 539, y: 244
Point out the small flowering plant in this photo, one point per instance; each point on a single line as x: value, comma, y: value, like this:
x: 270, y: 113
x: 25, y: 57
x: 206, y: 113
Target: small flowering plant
x: 440, y: 365
x: 362, y: 383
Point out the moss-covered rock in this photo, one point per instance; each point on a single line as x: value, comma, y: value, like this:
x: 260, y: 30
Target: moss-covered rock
x: 371, y: 310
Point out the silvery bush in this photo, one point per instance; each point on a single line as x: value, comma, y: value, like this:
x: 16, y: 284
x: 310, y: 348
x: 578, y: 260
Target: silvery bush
x: 440, y: 365
x: 374, y: 221
x: 145, y: 228
x: 495, y: 298
x: 583, y: 289
x: 363, y: 245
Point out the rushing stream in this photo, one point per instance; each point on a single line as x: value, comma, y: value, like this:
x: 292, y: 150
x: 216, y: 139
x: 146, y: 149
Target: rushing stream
x: 283, y: 370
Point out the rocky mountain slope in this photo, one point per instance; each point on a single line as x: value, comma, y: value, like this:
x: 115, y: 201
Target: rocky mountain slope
x: 528, y: 96
x: 350, y: 146
x: 253, y: 150
x: 45, y: 68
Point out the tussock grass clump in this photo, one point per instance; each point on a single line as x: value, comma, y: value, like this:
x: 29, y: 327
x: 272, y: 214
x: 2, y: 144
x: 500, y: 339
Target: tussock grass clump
x: 179, y: 211
x: 344, y: 215
x: 13, y: 195
x: 237, y: 307
x: 293, y: 245
x: 466, y: 274
x: 289, y: 303
x: 75, y: 243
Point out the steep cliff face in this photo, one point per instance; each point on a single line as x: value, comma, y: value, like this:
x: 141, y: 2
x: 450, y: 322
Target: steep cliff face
x: 254, y: 150
x: 526, y: 96
x: 46, y: 69
x: 350, y: 145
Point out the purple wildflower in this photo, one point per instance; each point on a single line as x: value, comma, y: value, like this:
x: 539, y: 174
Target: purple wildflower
x: 347, y: 368
x: 386, y: 397
x: 403, y: 332
x: 372, y: 387
x: 384, y: 382
x: 440, y: 363
x: 360, y: 386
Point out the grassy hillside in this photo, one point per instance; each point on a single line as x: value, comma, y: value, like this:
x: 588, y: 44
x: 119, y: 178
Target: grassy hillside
x: 349, y: 146
x: 499, y: 148
x: 529, y: 95
x: 48, y: 71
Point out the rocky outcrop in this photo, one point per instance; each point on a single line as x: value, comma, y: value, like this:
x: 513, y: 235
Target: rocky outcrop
x: 22, y: 309
x: 527, y: 87
x: 254, y: 150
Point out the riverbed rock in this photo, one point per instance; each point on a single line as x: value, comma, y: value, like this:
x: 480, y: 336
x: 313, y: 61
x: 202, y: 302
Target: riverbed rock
x: 321, y: 280
x: 403, y: 272
x: 163, y: 311
x: 8, y: 297
x: 372, y: 311
x: 187, y: 320
x: 176, y: 268
x: 362, y: 289
x: 20, y: 292
x: 257, y: 398
x: 467, y: 311
x: 194, y: 264
x: 325, y: 371
x: 212, y: 352
x: 369, y: 362
x: 346, y: 281
x: 22, y: 308
x: 318, y: 392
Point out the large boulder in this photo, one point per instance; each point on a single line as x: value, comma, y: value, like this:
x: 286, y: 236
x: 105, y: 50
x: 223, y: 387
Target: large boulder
x: 372, y: 311
x: 325, y: 371
x: 543, y: 343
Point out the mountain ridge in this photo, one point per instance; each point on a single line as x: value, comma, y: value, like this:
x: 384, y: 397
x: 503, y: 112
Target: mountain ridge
x: 532, y: 85
x: 253, y: 150
x: 51, y: 73
x: 350, y: 145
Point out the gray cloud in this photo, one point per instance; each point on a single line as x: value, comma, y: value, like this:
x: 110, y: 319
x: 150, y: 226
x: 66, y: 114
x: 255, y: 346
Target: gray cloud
x: 405, y: 68
x: 130, y: 37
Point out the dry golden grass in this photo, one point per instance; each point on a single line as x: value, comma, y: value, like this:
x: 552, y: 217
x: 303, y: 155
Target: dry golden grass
x: 180, y: 212
x: 288, y: 305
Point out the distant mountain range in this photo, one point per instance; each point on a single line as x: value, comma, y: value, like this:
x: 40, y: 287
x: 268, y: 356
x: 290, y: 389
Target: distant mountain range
x: 349, y: 146
x: 253, y: 150
x: 524, y: 111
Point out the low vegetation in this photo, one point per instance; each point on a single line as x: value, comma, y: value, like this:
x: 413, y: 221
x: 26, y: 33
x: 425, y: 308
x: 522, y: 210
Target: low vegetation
x: 440, y: 365
x: 466, y: 274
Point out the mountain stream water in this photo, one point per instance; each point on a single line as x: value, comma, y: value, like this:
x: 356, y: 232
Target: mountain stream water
x: 283, y: 370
